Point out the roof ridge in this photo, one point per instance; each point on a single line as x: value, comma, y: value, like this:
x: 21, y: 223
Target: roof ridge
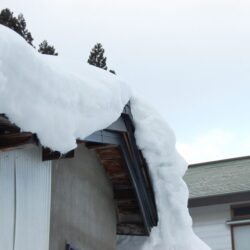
x: 219, y: 161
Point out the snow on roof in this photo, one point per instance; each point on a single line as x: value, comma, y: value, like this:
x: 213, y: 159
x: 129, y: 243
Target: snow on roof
x: 61, y: 101
x: 166, y: 167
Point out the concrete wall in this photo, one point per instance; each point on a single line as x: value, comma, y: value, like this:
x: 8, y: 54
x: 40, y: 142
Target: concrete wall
x: 82, y: 206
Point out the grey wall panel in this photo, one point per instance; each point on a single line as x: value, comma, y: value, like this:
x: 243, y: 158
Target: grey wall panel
x: 82, y: 208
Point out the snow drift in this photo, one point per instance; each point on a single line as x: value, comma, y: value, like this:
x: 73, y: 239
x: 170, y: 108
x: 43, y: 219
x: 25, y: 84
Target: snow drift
x: 167, y: 167
x: 61, y: 102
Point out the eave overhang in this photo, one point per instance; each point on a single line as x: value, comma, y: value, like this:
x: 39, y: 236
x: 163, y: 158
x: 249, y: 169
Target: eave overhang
x: 123, y: 162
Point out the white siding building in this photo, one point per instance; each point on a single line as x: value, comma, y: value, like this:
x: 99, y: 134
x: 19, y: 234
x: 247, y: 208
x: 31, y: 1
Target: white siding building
x: 220, y: 202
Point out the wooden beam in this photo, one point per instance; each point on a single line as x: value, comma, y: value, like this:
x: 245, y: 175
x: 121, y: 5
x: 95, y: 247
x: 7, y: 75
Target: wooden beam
x: 131, y: 229
x: 48, y: 155
x: 100, y: 146
x: 15, y: 140
x: 7, y: 126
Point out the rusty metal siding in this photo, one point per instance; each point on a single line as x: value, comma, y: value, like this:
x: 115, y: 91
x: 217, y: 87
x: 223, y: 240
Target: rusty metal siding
x: 30, y: 188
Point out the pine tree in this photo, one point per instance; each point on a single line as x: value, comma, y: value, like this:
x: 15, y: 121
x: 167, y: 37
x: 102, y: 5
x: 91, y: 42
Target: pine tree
x: 22, y: 29
x: 45, y: 48
x: 17, y: 24
x: 97, y: 58
x: 7, y: 19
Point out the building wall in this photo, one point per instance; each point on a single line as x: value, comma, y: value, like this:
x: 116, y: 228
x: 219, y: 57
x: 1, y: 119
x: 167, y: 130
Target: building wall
x: 25, y: 185
x: 209, y: 224
x: 82, y: 206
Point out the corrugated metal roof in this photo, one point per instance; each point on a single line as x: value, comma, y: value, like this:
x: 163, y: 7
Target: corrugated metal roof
x: 218, y: 177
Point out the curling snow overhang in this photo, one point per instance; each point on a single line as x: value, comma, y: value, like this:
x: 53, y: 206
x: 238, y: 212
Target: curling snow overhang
x: 122, y: 161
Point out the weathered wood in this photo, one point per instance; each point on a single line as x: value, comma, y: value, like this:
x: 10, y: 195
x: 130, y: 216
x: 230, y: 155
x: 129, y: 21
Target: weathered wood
x: 125, y: 194
x: 95, y: 146
x: 130, y: 218
x: 128, y: 211
x: 48, y: 154
x: 15, y: 140
x: 123, y: 163
x: 7, y: 127
x: 109, y: 153
x: 131, y: 229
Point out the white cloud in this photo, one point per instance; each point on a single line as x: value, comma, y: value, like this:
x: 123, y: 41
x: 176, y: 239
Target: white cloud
x: 215, y: 144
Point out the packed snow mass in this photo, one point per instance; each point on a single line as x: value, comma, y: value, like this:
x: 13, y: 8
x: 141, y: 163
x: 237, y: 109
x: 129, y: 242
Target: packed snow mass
x: 62, y: 101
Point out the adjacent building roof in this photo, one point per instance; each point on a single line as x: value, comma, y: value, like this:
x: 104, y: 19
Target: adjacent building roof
x: 219, y: 181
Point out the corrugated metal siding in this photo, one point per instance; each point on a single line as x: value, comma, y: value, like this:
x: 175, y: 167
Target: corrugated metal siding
x: 7, y: 200
x: 209, y: 224
x: 31, y: 209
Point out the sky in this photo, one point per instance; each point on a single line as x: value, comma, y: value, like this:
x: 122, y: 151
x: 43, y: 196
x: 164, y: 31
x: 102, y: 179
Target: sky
x: 190, y: 59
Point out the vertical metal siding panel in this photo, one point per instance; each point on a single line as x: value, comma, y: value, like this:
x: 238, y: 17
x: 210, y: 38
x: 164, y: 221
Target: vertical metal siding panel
x: 7, y: 200
x: 33, y: 194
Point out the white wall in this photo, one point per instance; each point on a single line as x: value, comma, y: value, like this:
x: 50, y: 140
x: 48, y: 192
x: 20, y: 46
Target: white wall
x: 209, y: 224
x: 25, y: 189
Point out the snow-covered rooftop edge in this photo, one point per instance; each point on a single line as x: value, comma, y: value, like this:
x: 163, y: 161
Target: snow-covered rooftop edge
x: 63, y: 101
x: 167, y: 168
x: 58, y: 100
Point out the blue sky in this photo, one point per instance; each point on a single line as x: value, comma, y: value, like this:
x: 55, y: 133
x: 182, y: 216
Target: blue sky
x: 190, y: 59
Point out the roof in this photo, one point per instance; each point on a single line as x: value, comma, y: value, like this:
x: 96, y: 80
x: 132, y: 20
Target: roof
x: 123, y: 162
x: 209, y: 182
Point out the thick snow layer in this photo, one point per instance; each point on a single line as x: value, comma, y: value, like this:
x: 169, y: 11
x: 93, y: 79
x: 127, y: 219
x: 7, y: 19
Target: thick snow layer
x: 167, y: 167
x: 61, y: 102
x: 58, y: 101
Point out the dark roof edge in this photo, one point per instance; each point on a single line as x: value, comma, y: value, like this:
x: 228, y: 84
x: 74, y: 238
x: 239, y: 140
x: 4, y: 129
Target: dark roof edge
x: 219, y: 199
x: 219, y: 161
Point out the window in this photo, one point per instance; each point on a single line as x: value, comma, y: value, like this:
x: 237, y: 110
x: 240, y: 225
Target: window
x: 240, y: 226
x: 239, y: 212
x: 241, y: 235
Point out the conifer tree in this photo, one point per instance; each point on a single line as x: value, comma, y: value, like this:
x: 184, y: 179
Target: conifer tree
x: 97, y: 58
x: 18, y: 24
x: 45, y: 48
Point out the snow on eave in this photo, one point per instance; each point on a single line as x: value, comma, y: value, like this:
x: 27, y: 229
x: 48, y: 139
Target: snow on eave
x: 61, y: 101
x: 56, y: 99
